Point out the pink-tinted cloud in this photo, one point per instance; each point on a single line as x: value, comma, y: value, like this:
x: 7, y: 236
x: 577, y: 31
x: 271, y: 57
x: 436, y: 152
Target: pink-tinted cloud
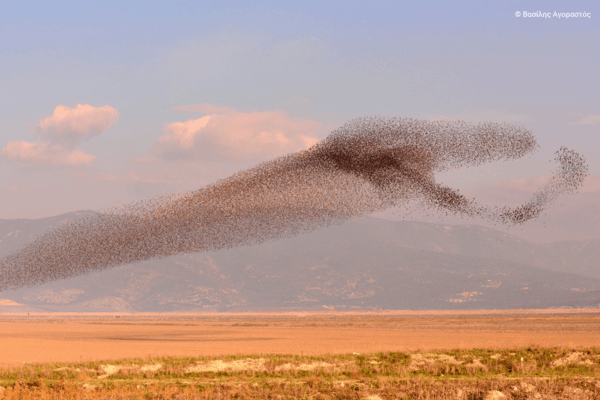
x: 180, y: 136
x: 69, y: 126
x: 237, y: 136
x: 589, y: 120
x: 204, y: 108
x: 27, y: 154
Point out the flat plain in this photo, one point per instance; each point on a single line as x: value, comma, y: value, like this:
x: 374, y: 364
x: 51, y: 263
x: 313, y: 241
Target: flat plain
x: 377, y: 355
x: 77, y: 337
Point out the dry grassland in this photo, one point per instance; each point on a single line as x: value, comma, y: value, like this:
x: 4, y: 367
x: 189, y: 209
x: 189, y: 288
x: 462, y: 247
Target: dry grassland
x: 531, y: 373
x: 517, y: 355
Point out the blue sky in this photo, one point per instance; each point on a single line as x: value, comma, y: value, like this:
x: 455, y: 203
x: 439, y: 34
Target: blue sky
x: 303, y: 65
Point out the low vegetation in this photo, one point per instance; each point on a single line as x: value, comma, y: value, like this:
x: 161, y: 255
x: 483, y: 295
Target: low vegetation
x: 545, y: 373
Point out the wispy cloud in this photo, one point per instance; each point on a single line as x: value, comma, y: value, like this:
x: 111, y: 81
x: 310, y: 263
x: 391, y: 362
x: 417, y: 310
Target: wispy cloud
x: 204, y: 108
x: 589, y: 120
x: 236, y: 136
x: 27, y: 154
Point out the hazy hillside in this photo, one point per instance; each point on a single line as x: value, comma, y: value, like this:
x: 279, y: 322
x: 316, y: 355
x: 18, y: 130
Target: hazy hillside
x: 581, y: 257
x: 17, y: 232
x: 368, y: 263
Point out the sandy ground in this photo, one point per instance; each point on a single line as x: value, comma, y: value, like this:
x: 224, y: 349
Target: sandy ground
x: 72, y: 337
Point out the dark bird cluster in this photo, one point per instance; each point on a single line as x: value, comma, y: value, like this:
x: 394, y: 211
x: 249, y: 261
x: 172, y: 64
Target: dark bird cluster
x: 368, y: 165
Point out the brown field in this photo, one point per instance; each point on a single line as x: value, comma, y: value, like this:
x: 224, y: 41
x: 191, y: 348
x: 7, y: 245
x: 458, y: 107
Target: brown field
x: 519, y: 354
x: 76, y: 337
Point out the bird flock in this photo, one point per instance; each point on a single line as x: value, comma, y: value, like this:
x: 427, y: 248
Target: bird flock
x: 367, y: 165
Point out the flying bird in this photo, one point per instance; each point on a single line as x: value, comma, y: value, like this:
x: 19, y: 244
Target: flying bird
x: 367, y: 165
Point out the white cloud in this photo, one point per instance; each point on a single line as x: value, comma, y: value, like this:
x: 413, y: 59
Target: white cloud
x: 43, y: 154
x: 68, y: 126
x: 589, y: 120
x: 237, y: 136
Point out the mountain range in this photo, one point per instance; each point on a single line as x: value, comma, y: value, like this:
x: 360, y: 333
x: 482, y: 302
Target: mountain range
x: 368, y: 263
